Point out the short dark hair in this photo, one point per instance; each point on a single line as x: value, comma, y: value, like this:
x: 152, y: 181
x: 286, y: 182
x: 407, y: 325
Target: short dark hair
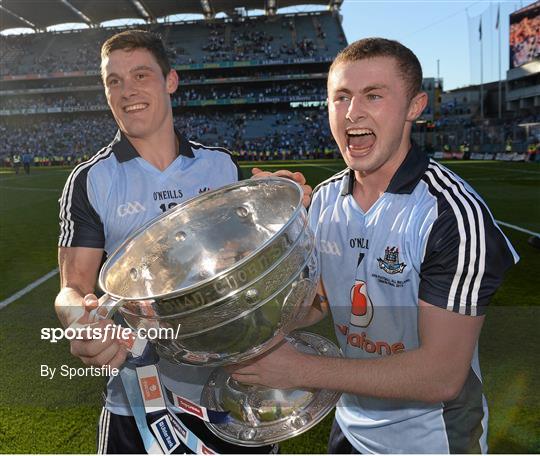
x: 408, y: 63
x: 137, y: 39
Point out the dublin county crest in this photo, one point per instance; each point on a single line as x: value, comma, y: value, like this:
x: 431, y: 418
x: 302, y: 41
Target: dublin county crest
x: 391, y: 262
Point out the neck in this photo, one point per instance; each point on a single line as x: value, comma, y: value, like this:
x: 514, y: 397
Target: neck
x: 160, y: 149
x: 370, y: 185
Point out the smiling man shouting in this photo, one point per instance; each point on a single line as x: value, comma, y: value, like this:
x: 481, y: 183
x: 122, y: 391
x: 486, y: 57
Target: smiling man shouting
x: 417, y: 258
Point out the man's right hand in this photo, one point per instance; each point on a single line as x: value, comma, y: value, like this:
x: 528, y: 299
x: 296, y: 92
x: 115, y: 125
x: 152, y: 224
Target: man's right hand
x: 297, y: 177
x: 97, y: 352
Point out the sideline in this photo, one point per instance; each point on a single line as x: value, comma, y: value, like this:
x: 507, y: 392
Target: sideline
x: 295, y: 165
x: 28, y: 288
x: 505, y: 178
x: 33, y: 175
x: 32, y: 189
x: 518, y: 228
x: 508, y: 170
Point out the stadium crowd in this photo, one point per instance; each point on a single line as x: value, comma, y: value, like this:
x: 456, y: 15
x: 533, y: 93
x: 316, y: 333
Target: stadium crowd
x: 296, y: 134
x: 249, y: 73
x: 305, y: 88
x: 252, y: 44
x: 40, y: 102
x: 17, y: 60
x: 191, y: 43
x: 57, y: 137
x: 95, y: 100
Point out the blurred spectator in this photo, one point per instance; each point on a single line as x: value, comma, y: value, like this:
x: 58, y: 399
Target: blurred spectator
x: 27, y: 161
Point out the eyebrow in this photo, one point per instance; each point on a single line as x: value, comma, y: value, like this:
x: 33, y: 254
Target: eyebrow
x: 133, y: 70
x: 141, y: 67
x: 374, y: 87
x: 342, y: 89
x: 365, y: 89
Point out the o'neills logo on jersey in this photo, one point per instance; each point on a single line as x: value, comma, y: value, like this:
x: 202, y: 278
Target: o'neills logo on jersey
x: 363, y: 342
x: 168, y: 194
x: 391, y: 263
x: 361, y: 305
x: 133, y: 207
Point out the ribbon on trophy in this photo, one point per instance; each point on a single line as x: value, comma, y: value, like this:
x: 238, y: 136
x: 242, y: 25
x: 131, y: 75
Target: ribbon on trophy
x: 184, y: 405
x: 143, y: 354
x: 166, y: 427
x: 157, y: 421
x: 161, y: 430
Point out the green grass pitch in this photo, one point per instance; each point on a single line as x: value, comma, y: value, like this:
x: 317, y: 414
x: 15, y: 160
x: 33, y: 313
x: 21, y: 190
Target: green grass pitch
x: 60, y: 416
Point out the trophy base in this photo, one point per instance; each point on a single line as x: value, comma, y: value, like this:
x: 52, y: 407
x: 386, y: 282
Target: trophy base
x: 263, y: 416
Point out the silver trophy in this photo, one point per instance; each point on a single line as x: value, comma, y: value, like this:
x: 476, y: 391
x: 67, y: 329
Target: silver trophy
x: 234, y: 271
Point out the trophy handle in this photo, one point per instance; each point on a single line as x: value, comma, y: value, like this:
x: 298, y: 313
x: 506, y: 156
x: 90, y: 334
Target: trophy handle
x: 107, y: 307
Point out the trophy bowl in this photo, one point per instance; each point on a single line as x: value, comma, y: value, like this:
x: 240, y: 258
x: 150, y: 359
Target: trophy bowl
x: 236, y: 329
x: 231, y: 269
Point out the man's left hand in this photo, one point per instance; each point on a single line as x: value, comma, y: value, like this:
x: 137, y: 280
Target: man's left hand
x: 297, y: 176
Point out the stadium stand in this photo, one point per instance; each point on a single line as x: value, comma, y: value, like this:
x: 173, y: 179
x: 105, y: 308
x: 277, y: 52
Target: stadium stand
x: 193, y: 42
x: 253, y: 84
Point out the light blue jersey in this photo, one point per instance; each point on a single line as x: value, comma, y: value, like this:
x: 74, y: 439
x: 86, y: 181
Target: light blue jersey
x: 429, y: 237
x: 110, y: 196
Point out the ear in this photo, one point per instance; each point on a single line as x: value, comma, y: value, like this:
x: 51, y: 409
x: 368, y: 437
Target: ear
x: 417, y: 106
x: 172, y: 81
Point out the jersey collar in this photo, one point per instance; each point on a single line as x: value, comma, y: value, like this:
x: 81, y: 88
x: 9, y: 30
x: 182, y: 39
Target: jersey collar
x: 124, y: 150
x: 404, y: 180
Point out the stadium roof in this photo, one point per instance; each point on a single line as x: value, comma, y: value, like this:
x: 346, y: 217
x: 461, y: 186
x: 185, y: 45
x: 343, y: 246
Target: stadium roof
x: 39, y: 14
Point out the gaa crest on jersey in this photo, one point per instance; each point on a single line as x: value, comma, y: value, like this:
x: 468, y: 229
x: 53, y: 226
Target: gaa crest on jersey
x: 361, y: 305
x: 390, y: 263
x: 130, y: 208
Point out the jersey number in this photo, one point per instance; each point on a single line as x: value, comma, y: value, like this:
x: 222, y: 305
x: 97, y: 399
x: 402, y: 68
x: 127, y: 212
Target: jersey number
x: 165, y: 207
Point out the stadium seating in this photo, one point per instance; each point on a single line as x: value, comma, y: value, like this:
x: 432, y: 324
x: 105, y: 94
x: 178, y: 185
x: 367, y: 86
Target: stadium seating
x: 194, y: 42
x: 240, y: 80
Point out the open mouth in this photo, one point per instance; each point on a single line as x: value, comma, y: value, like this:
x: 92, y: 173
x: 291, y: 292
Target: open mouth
x: 360, y: 139
x: 136, y: 107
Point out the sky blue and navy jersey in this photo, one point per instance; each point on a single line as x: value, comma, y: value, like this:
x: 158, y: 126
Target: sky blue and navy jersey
x: 430, y: 237
x: 108, y: 197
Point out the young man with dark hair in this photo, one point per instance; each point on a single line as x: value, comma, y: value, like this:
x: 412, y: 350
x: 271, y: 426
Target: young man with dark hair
x: 410, y: 257
x: 148, y: 168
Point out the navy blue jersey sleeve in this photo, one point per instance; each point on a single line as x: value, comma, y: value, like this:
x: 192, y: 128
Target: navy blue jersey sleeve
x: 466, y: 256
x: 80, y: 225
